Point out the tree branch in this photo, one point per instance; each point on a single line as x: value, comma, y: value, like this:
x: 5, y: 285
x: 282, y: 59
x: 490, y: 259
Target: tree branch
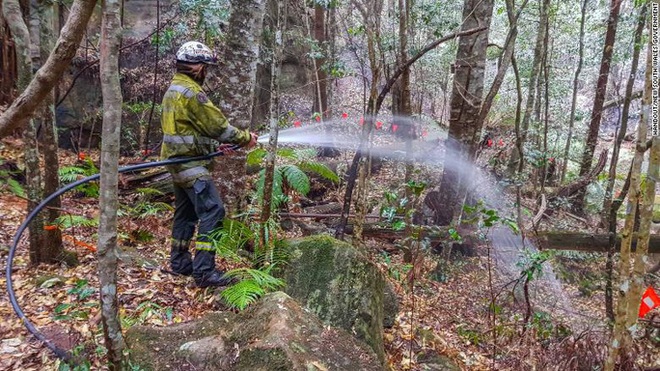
x: 408, y: 63
x: 47, y: 76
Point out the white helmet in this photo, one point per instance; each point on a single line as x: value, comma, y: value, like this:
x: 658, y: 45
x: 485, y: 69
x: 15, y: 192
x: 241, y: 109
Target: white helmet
x: 195, y: 52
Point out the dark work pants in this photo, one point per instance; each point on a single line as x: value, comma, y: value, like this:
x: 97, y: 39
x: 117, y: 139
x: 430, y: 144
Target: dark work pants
x: 199, y: 203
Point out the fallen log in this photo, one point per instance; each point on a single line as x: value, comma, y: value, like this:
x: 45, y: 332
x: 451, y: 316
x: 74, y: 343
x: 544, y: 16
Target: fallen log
x: 587, y: 241
x: 570, y: 189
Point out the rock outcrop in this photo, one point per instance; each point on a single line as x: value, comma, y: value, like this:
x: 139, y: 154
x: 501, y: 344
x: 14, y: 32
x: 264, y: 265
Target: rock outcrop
x: 274, y: 334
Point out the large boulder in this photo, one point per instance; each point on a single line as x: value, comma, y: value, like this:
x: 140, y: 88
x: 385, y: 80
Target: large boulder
x: 274, y: 334
x: 339, y: 284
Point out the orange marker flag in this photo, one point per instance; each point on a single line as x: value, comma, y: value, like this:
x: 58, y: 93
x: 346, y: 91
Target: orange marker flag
x: 650, y: 300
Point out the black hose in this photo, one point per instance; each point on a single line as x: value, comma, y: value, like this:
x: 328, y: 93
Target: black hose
x: 59, y: 352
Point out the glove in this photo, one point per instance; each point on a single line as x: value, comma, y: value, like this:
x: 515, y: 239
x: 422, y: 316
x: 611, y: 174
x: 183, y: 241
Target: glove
x: 252, y: 142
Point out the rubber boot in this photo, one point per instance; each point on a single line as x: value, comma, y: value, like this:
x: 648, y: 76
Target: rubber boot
x: 181, y: 259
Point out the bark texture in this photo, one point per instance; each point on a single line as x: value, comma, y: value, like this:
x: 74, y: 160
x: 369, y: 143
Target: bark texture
x: 48, y: 24
x: 466, y: 100
x: 238, y: 74
x: 238, y: 62
x: 107, y: 244
x: 47, y: 76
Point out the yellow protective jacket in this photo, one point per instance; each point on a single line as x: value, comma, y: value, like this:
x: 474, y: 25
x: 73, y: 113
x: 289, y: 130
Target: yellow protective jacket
x: 193, y: 126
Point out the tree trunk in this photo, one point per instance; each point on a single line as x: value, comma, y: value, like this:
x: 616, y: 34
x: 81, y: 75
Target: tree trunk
x: 517, y: 161
x: 576, y: 80
x: 23, y: 107
x: 621, y: 337
x: 278, y: 31
x: 610, y: 209
x: 21, y: 35
x: 238, y: 65
x: 8, y: 73
x: 465, y: 105
x: 353, y: 169
x: 505, y: 59
x: 599, y: 99
x: 107, y: 245
x: 48, y: 21
x: 238, y: 73
x: 321, y: 91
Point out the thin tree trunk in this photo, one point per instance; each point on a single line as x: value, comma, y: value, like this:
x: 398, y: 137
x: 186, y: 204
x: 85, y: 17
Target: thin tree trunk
x: 53, y: 237
x: 623, y: 128
x: 621, y: 337
x: 611, y: 208
x: 576, y: 80
x: 15, y: 20
x: 321, y: 91
x: 599, y: 99
x: 23, y: 107
x: 531, y: 87
x: 107, y: 244
x: 643, y: 235
x: 274, y: 121
x: 505, y: 60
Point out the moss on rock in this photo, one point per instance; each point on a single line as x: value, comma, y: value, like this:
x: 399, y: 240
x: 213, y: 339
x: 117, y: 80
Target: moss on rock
x: 340, y: 285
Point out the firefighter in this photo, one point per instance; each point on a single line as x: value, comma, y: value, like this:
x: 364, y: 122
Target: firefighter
x: 193, y: 126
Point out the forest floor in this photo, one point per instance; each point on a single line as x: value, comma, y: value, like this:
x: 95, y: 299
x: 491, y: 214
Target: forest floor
x: 464, y: 309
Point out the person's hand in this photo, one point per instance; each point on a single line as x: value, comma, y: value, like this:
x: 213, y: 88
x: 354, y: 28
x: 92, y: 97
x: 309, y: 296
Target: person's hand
x: 253, y: 141
x: 226, y: 149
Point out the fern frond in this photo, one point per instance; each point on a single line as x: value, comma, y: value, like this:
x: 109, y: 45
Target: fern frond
x: 149, y: 192
x: 304, y: 154
x: 242, y: 294
x: 261, y: 277
x: 70, y: 174
x: 320, y: 169
x: 255, y: 156
x: 289, y: 153
x: 15, y: 187
x: 296, y: 178
x: 68, y: 221
x: 278, y: 193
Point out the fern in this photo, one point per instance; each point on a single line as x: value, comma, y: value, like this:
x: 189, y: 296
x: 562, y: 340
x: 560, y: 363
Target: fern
x: 69, y: 174
x: 256, y: 156
x: 15, y: 187
x: 278, y: 196
x: 254, y: 283
x: 149, y: 192
x: 242, y: 294
x: 320, y: 169
x: 69, y: 221
x: 295, y: 178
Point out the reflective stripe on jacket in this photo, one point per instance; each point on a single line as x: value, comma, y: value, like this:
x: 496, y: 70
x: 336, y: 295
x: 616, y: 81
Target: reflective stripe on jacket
x: 193, y: 126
